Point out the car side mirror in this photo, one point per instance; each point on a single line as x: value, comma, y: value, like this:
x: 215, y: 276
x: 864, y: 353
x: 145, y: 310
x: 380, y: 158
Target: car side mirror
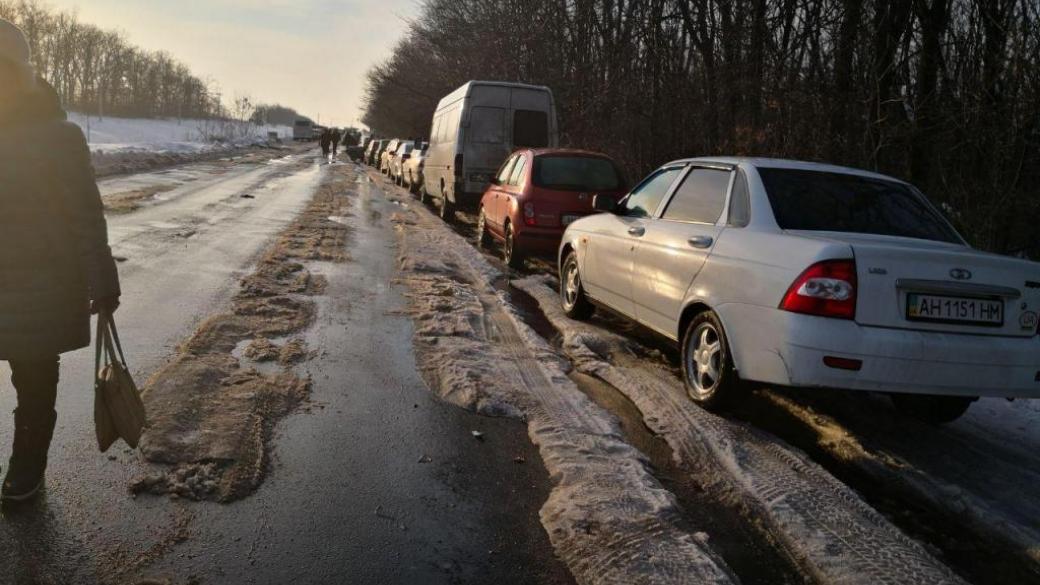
x: 604, y: 203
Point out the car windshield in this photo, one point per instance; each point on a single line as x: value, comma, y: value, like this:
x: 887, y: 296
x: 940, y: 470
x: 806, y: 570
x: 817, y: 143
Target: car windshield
x: 840, y: 202
x: 576, y: 173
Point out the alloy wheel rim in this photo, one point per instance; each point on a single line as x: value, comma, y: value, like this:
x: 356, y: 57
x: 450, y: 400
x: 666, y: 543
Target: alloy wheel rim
x: 704, y: 359
x: 571, y: 285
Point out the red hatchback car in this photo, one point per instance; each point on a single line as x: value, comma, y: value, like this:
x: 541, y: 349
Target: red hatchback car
x: 537, y: 193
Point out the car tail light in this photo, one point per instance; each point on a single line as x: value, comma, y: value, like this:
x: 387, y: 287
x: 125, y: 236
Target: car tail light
x: 529, y: 215
x: 825, y: 289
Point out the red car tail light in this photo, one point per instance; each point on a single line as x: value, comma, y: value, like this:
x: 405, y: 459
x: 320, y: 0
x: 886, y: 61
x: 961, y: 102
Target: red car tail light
x: 529, y: 215
x: 825, y: 289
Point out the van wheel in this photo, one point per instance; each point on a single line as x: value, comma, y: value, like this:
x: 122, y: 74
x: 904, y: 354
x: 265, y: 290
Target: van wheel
x: 447, y: 209
x: 932, y: 409
x: 483, y: 239
x: 424, y: 196
x: 708, y: 372
x: 572, y: 294
x: 513, y: 257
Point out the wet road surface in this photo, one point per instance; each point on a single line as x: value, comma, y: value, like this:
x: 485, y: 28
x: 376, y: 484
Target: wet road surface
x: 374, y: 482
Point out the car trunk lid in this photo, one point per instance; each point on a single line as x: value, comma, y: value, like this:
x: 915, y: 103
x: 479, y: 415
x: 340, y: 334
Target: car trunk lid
x: 906, y: 283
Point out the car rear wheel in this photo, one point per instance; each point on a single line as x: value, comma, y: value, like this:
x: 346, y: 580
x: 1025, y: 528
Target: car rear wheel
x: 424, y: 196
x: 483, y: 239
x: 708, y: 372
x: 931, y: 408
x: 513, y: 257
x: 572, y: 294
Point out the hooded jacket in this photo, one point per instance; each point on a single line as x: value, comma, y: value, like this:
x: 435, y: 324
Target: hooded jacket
x: 54, y: 252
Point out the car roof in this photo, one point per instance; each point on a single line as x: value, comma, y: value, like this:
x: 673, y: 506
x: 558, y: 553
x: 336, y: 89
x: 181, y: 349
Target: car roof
x: 782, y: 163
x: 556, y: 151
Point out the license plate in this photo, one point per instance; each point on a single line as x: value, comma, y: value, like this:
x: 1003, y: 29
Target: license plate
x: 943, y: 309
x: 569, y: 219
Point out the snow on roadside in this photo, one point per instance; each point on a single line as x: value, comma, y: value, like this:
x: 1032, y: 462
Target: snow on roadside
x: 823, y: 525
x: 114, y: 135
x: 607, y: 517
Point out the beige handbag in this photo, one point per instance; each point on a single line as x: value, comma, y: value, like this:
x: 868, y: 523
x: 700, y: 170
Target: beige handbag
x: 118, y: 409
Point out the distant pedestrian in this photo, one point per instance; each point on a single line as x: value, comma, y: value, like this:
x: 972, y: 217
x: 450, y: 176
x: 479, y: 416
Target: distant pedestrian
x: 326, y: 142
x: 55, y: 263
x: 336, y: 137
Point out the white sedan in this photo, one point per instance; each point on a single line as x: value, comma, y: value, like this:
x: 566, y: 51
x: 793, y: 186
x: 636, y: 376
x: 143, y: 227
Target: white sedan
x: 800, y: 274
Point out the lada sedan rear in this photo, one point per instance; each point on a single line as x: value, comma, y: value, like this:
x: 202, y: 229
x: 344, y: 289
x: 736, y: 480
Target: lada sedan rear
x: 800, y: 274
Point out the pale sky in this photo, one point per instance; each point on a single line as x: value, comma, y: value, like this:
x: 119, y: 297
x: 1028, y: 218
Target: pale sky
x: 311, y: 55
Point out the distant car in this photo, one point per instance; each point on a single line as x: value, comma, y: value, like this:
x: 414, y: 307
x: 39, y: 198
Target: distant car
x: 808, y: 275
x: 401, y: 156
x: 537, y: 193
x: 303, y: 130
x: 372, y: 152
x: 387, y: 155
x: 413, y: 168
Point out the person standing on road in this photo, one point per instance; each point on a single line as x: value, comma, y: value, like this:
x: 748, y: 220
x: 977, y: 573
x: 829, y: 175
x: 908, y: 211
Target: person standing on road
x: 56, y: 266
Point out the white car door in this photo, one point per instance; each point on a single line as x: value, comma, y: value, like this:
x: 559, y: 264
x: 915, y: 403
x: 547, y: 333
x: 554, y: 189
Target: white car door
x: 675, y: 246
x: 612, y: 240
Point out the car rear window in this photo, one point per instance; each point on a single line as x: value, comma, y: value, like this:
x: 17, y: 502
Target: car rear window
x: 839, y: 202
x: 487, y: 125
x: 576, y: 173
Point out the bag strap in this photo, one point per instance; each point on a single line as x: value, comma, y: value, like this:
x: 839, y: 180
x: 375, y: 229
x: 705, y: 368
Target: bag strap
x: 99, y: 341
x: 114, y: 335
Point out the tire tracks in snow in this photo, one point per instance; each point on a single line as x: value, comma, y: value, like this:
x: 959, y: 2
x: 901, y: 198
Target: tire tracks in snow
x: 824, y: 527
x: 607, y: 516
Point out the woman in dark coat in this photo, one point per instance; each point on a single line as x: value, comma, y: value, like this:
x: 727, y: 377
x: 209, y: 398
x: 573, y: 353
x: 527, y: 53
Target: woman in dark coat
x: 55, y: 263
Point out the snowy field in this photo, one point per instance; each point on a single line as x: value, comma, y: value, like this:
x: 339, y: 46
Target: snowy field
x: 115, y: 135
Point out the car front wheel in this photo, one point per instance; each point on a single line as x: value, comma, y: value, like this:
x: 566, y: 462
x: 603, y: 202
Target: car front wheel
x: 931, y: 408
x: 572, y: 294
x: 708, y: 372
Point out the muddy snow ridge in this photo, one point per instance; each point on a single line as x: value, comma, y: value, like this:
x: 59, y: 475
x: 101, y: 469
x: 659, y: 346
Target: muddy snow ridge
x: 824, y: 527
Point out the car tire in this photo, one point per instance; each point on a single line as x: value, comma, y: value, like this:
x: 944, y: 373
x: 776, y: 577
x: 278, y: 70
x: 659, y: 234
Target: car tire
x: 708, y: 373
x: 932, y: 408
x: 572, y: 294
x: 424, y: 196
x: 513, y: 258
x: 483, y: 238
x: 447, y: 210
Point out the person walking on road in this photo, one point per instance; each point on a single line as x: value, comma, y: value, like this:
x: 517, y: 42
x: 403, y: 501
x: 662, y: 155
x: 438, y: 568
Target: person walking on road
x: 336, y: 137
x: 326, y: 142
x: 56, y: 266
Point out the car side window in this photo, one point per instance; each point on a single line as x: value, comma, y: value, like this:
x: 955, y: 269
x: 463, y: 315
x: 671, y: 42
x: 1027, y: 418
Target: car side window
x: 518, y: 171
x: 506, y: 171
x: 646, y: 197
x: 700, y: 198
x: 740, y: 202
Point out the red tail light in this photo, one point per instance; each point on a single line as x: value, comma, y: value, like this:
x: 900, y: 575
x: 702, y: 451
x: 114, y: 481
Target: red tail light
x: 826, y: 289
x: 529, y: 216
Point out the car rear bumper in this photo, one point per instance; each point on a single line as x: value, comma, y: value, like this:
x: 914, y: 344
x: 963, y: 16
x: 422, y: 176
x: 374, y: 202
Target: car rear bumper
x: 539, y: 241
x: 774, y: 346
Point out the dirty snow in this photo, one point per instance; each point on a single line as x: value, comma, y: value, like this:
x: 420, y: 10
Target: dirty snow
x: 823, y: 525
x: 211, y: 415
x: 607, y: 517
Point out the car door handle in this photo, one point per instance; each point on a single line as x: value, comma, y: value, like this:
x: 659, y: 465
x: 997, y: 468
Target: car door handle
x: 636, y: 231
x: 701, y: 241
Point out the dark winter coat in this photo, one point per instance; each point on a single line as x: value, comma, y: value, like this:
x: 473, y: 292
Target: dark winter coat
x: 54, y: 253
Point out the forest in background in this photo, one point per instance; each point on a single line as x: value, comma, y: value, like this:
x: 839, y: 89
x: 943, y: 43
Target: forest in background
x: 942, y: 93
x: 97, y: 71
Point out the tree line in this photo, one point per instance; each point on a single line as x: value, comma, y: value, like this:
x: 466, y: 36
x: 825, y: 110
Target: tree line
x: 942, y: 93
x: 96, y: 71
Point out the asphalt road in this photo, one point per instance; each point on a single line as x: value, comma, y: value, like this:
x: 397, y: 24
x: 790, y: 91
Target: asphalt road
x: 375, y: 481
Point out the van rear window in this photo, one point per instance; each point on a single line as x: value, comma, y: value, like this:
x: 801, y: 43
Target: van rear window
x: 839, y: 202
x: 487, y: 125
x: 576, y: 173
x: 530, y: 129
